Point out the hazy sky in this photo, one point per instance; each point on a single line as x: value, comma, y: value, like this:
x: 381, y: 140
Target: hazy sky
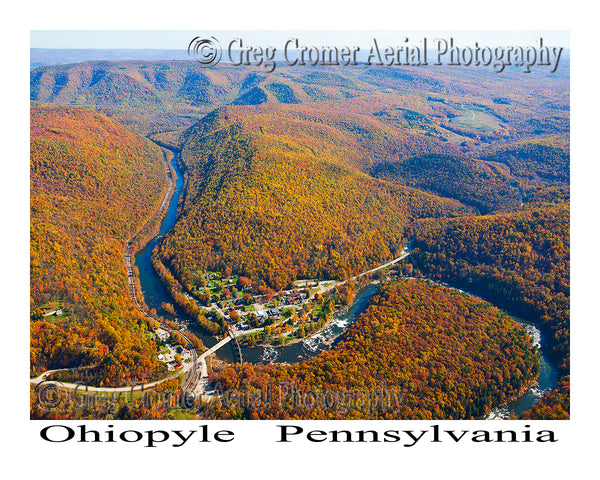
x: 179, y: 39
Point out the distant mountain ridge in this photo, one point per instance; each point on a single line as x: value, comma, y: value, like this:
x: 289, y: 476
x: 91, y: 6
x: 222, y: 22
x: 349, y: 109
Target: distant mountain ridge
x: 39, y: 57
x: 152, y: 96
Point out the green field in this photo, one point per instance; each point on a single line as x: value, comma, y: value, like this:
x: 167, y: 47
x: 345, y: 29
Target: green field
x: 477, y: 119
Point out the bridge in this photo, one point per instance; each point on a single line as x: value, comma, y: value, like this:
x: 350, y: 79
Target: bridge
x: 237, y: 356
x: 200, y: 386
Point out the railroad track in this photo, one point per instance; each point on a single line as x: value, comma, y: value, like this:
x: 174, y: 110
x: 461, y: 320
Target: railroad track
x: 191, y: 377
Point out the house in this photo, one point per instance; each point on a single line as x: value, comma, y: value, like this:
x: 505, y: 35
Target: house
x: 298, y: 298
x: 162, y: 334
x: 261, y: 316
x: 172, y: 366
x: 186, y: 355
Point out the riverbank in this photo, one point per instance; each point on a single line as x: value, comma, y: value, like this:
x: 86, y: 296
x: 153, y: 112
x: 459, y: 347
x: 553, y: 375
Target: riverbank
x: 503, y: 411
x: 332, y: 319
x: 548, y: 375
x: 150, y: 232
x: 152, y: 226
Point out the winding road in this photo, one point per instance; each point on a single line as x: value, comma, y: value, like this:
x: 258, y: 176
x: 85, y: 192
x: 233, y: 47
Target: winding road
x: 405, y: 254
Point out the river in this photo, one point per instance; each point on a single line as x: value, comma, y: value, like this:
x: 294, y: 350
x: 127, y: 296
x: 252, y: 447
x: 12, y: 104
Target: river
x: 155, y: 293
x: 547, y: 379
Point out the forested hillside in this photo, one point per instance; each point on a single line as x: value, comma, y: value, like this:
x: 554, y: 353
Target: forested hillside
x: 538, y: 162
x: 519, y: 261
x: 451, y: 356
x: 93, y: 185
x: 474, y: 183
x: 275, y: 194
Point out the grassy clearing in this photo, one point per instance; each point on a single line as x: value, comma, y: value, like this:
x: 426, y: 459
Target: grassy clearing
x: 477, y: 119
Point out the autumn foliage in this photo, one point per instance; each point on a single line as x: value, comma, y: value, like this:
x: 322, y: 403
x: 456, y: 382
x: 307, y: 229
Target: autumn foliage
x: 519, y: 261
x: 93, y: 185
x: 275, y: 206
x: 453, y: 356
x: 319, y: 174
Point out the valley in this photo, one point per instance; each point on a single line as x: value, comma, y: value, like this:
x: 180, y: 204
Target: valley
x: 293, y: 193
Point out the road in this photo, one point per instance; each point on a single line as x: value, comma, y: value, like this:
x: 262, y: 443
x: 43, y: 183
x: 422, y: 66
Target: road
x: 85, y: 388
x: 200, y: 388
x: 42, y: 377
x: 373, y: 270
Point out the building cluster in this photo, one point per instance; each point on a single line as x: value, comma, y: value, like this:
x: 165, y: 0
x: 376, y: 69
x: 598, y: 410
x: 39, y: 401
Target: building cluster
x: 168, y: 353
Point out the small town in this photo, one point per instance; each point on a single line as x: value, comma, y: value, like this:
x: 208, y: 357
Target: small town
x: 272, y: 318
